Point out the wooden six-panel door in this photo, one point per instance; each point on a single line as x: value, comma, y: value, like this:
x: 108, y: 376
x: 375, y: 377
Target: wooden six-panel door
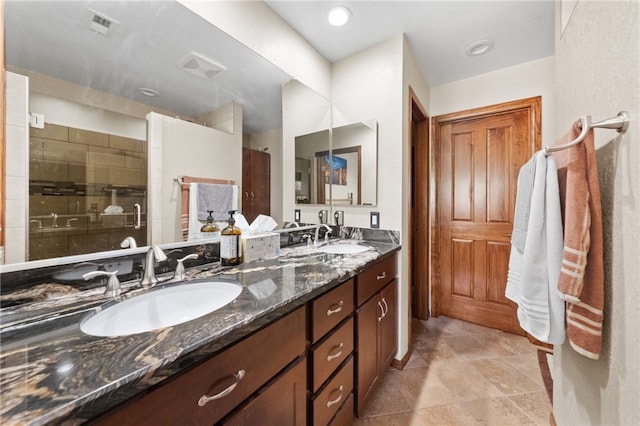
x: 479, y: 157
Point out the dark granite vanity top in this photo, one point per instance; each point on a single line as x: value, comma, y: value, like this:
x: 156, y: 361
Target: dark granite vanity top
x: 52, y: 373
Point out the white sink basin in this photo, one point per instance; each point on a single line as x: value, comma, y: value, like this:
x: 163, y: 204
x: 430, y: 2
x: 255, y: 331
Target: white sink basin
x: 344, y: 248
x: 161, y: 308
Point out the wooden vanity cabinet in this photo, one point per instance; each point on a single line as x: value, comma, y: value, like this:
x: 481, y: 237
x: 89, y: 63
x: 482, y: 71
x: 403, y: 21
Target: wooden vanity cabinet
x: 376, y: 327
x: 282, y: 402
x: 315, y: 366
x: 208, y: 392
x: 331, y: 357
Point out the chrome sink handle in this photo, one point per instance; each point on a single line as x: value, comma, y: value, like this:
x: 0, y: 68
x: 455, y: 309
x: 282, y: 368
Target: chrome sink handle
x: 180, y: 274
x: 113, y: 284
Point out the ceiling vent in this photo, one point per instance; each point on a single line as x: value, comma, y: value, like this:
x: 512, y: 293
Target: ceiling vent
x: 101, y: 23
x: 198, y: 65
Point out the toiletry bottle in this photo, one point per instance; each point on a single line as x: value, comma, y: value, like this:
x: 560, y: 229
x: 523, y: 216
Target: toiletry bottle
x: 209, y: 230
x: 230, y: 249
x: 93, y: 212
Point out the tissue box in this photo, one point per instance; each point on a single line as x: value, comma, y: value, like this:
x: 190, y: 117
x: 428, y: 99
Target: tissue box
x: 259, y: 247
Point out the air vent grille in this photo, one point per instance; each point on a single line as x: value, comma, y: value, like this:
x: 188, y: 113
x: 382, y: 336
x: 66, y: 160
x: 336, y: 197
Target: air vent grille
x: 200, y: 66
x: 101, y: 23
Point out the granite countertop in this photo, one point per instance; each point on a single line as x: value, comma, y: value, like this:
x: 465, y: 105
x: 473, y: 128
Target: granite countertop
x: 52, y: 373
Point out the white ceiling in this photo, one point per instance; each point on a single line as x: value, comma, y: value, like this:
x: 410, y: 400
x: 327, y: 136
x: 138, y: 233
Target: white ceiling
x: 150, y: 38
x: 438, y: 32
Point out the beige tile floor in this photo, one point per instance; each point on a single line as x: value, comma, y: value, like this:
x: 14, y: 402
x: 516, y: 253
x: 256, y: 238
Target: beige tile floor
x: 461, y: 374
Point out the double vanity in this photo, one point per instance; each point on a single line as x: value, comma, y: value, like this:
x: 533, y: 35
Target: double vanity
x: 300, y: 339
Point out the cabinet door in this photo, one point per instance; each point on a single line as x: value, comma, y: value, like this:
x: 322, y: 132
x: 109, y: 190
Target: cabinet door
x: 388, y: 339
x: 256, y: 183
x: 282, y: 403
x: 367, y: 318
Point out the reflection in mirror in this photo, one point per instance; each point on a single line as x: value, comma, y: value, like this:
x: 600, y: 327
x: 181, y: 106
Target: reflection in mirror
x: 346, y: 175
x: 310, y: 187
x: 306, y: 116
x: 87, y: 79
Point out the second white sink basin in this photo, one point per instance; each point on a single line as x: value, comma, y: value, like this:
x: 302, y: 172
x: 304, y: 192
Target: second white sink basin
x: 344, y: 248
x: 161, y: 308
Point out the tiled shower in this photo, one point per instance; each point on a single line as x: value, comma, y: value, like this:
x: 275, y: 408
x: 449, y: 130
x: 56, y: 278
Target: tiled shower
x: 74, y: 176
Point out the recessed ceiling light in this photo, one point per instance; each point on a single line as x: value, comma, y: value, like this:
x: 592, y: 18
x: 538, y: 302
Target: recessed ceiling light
x: 148, y: 92
x: 339, y: 15
x: 479, y: 47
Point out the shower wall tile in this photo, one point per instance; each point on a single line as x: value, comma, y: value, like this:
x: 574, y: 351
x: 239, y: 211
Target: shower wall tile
x: 65, y: 151
x: 88, y: 137
x: 51, y: 131
x: 127, y: 144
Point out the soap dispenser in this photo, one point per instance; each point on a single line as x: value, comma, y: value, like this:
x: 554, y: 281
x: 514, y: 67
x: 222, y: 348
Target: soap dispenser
x: 209, y: 230
x: 230, y: 249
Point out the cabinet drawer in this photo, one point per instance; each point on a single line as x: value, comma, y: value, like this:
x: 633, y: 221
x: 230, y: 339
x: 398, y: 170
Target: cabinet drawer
x: 328, y: 310
x: 331, y: 352
x: 376, y: 276
x: 329, y: 400
x: 282, y: 403
x: 232, y: 375
x: 345, y: 415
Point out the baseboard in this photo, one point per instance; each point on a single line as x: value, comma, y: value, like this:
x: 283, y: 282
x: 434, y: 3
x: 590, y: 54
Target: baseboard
x: 399, y: 364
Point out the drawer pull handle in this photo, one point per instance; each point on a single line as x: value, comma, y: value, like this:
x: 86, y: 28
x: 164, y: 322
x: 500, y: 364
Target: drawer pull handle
x: 338, y: 399
x: 335, y: 310
x: 336, y: 354
x: 386, y: 308
x: 204, y: 399
x: 381, y: 311
x: 382, y: 276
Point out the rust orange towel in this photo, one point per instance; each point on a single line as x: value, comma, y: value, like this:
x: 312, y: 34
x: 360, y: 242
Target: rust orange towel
x: 581, y: 281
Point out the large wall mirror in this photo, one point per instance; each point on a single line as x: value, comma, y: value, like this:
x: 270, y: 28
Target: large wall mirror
x: 94, y: 70
x: 338, y: 166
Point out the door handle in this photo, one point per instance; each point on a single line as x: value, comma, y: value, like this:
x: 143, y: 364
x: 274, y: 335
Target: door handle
x: 337, y: 353
x: 381, y: 311
x: 335, y: 310
x: 204, y: 399
x: 335, y: 401
x: 138, y: 214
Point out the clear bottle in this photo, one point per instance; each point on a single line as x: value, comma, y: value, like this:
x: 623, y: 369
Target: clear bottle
x: 209, y: 230
x: 230, y: 249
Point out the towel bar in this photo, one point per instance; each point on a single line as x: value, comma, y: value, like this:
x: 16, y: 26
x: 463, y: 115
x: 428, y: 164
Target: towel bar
x: 619, y: 122
x: 181, y: 180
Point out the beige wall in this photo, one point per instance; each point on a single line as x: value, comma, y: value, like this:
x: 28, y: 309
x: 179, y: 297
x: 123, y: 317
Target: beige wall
x: 598, y: 73
x: 411, y: 77
x: 180, y: 148
x: 535, y: 78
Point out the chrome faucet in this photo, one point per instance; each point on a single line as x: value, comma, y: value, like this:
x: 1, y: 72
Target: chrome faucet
x: 129, y: 242
x: 154, y: 254
x: 113, y: 284
x: 326, y: 234
x: 54, y: 224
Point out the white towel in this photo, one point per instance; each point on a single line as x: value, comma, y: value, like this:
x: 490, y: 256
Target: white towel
x: 523, y: 204
x: 533, y: 273
x: 194, y: 223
